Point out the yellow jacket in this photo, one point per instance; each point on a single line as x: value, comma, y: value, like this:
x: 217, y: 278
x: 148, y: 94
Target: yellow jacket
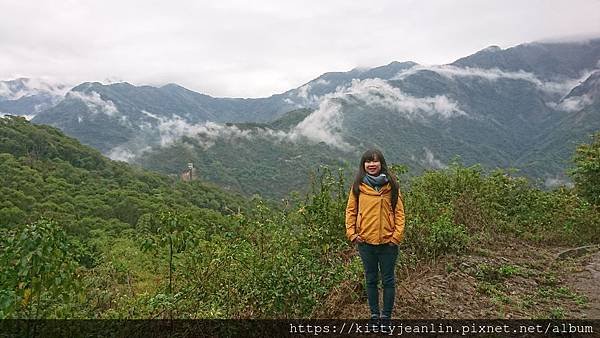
x: 374, y: 220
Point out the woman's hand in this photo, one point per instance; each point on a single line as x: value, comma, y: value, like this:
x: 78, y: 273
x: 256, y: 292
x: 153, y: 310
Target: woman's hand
x: 357, y: 240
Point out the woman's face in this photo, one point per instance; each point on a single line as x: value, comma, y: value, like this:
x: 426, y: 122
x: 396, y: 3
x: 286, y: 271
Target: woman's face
x: 373, y: 167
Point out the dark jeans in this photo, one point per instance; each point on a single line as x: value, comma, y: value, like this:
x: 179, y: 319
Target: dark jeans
x: 375, y: 259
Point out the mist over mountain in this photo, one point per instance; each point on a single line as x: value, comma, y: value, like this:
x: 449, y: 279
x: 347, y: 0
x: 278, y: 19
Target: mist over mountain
x: 547, y: 61
x: 524, y: 107
x: 27, y: 97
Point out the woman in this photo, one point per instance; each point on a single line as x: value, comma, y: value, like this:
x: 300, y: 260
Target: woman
x: 375, y: 222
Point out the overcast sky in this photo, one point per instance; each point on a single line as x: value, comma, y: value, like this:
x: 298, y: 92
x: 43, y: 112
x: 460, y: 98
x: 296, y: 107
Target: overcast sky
x: 259, y: 48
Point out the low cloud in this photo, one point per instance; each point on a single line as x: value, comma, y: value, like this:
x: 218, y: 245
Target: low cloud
x: 27, y: 117
x: 154, y: 116
x: 378, y: 93
x: 573, y: 103
x: 304, y: 94
x: 432, y: 162
x: 207, y: 133
x: 94, y: 102
x: 122, y: 153
x: 164, y: 131
x: 39, y: 107
x: 5, y: 92
x: 325, y: 123
x: 428, y: 160
x: 303, y: 91
x: 16, y: 89
x: 322, y: 82
x: 305, y: 97
x: 495, y: 74
x: 555, y: 182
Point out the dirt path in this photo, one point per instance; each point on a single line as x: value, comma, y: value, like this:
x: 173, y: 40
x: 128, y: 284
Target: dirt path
x: 509, y: 280
x: 586, y: 281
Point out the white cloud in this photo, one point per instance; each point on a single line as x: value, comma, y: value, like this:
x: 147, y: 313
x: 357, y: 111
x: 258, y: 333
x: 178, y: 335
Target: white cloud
x: 555, y: 182
x: 495, y: 74
x: 173, y: 129
x: 166, y: 131
x: 325, y: 123
x: 46, y: 85
x: 290, y: 101
x: 303, y: 91
x: 16, y: 89
x: 5, y: 92
x: 428, y: 160
x: 306, y: 98
x: 94, y: 102
x: 492, y: 74
x: 154, y: 116
x: 431, y: 161
x: 378, y: 93
x: 39, y: 107
x: 121, y: 153
x: 573, y: 103
x: 207, y: 133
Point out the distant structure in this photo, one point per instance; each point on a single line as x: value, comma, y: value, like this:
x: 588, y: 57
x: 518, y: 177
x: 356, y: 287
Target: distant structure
x: 188, y: 174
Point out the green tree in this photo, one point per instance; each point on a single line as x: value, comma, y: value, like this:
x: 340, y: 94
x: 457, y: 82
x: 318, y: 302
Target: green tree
x: 587, y: 170
x: 37, y: 271
x: 173, y: 233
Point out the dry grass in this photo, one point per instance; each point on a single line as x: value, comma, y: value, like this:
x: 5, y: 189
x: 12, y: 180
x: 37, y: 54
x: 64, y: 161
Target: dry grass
x: 505, y: 278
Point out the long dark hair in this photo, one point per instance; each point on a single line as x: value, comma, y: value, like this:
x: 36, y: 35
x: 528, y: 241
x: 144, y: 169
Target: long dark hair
x: 375, y: 155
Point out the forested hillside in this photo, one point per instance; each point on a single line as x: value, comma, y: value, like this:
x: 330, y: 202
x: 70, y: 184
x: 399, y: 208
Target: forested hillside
x: 47, y: 174
x: 85, y: 237
x: 249, y: 161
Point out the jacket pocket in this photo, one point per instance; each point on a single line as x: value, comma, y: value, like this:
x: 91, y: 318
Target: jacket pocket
x: 388, y: 228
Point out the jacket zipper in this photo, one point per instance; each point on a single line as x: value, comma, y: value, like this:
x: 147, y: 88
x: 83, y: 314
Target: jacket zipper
x: 380, y: 223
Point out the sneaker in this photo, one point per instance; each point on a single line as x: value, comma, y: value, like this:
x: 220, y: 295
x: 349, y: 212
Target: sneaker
x: 385, y: 320
x: 374, y: 321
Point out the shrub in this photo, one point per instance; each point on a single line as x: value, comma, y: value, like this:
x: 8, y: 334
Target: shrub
x: 586, y: 173
x: 37, y: 276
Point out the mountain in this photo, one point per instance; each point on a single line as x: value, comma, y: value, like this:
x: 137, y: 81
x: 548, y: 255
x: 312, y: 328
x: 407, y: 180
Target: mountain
x: 577, y: 118
x: 27, y: 97
x: 123, y: 112
x: 590, y: 89
x: 548, y: 61
x: 252, y: 158
x: 106, y: 116
x: 308, y: 95
x: 524, y: 107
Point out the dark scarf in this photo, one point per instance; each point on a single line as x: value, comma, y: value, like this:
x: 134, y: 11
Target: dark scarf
x: 375, y: 182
